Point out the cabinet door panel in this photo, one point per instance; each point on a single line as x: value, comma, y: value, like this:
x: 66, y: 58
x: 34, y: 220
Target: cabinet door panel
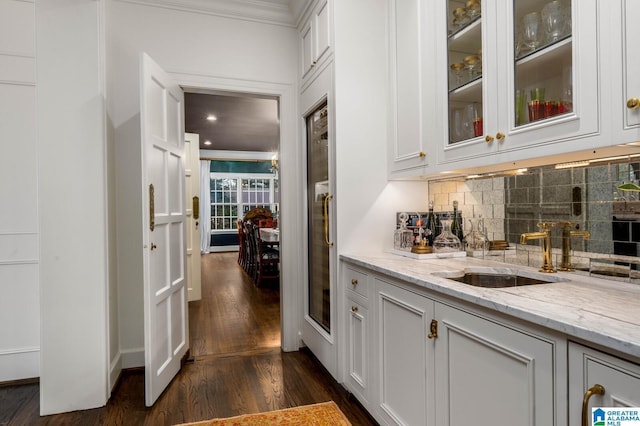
x: 322, y: 23
x: 406, y: 121
x: 405, y: 363
x: 489, y: 374
x: 358, y: 356
x: 588, y: 367
x: 631, y: 14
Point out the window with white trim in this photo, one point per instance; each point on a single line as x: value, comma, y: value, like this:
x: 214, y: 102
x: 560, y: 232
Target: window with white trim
x: 233, y: 195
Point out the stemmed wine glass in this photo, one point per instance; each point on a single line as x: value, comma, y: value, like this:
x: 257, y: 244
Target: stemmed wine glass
x: 554, y: 20
x: 531, y: 31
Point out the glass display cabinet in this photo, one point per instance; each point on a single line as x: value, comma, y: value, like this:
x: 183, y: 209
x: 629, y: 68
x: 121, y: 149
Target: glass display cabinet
x: 519, y: 73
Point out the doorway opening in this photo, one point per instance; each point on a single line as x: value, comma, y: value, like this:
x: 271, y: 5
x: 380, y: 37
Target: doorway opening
x: 239, y: 143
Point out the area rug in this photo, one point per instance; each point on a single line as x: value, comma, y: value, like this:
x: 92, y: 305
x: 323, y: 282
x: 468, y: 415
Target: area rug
x: 322, y: 414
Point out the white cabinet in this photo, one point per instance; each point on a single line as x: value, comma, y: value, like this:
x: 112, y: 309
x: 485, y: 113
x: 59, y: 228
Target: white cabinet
x: 610, y: 381
x: 622, y: 15
x: 411, y: 77
x: 405, y: 392
x: 357, y: 334
x: 489, y: 373
x: 315, y: 39
x: 444, y: 365
x: 484, y: 106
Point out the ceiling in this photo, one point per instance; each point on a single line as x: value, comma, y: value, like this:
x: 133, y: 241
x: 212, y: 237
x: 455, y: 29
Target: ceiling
x: 242, y: 122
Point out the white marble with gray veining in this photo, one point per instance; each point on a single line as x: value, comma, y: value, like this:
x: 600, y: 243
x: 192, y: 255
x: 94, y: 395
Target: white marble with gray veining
x: 596, y: 310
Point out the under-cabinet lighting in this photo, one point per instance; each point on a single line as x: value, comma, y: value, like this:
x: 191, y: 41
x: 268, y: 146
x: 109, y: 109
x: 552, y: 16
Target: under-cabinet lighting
x: 207, y: 142
x: 211, y: 117
x: 473, y: 176
x: 616, y: 158
x: 573, y: 164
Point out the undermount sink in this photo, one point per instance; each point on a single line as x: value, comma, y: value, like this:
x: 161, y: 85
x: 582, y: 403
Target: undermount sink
x: 498, y: 277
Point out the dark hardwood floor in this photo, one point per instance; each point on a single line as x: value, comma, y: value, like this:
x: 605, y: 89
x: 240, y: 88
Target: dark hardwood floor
x: 237, y: 366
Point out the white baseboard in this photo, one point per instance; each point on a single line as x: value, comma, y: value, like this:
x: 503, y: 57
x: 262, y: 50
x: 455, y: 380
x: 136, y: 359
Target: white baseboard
x: 19, y: 363
x: 132, y: 358
x: 114, y: 371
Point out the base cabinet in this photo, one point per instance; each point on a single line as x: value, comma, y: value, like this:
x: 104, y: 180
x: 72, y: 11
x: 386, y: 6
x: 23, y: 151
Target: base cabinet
x: 405, y: 393
x: 444, y: 365
x: 491, y: 374
x: 358, y: 350
x: 616, y: 383
x: 357, y: 374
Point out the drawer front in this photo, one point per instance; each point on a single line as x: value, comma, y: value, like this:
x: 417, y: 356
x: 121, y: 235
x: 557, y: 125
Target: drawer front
x: 357, y: 282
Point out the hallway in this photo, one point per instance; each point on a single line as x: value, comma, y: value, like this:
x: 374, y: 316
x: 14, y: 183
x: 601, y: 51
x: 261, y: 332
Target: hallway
x: 237, y: 366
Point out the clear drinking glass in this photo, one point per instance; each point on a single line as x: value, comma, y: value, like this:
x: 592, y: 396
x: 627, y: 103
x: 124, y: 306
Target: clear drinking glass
x: 457, y: 69
x: 531, y: 31
x: 473, y: 8
x: 554, y: 20
x: 473, y: 64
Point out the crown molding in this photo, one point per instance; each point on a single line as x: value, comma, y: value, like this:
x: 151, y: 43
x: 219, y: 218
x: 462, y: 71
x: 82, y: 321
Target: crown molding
x: 275, y: 12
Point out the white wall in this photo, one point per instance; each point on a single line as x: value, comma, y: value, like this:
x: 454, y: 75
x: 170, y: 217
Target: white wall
x: 201, y: 50
x: 367, y: 203
x: 72, y: 205
x: 19, y: 292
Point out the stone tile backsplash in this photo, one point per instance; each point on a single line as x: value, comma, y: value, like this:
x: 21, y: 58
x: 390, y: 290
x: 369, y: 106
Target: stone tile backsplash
x: 587, y: 197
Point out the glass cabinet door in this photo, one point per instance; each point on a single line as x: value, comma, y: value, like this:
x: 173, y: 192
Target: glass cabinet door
x: 464, y: 54
x: 543, y: 60
x: 519, y: 74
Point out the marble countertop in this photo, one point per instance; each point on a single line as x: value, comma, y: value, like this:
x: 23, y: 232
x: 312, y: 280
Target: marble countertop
x: 596, y: 310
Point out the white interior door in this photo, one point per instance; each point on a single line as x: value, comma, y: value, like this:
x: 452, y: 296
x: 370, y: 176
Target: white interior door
x: 192, y: 186
x: 165, y: 289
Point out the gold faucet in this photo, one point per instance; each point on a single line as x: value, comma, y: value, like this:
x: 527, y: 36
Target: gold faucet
x: 545, y: 235
x: 567, y: 233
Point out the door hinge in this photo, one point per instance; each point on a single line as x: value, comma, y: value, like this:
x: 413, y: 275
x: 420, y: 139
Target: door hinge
x: 433, y: 328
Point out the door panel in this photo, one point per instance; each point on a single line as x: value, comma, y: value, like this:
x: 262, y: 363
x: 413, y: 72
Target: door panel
x: 162, y: 146
x: 192, y: 187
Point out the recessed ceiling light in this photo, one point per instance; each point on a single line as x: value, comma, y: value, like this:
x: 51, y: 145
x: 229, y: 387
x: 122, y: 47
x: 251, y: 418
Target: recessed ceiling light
x: 211, y: 117
x: 207, y: 142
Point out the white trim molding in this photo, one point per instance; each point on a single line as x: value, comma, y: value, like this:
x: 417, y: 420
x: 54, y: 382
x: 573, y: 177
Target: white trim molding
x: 275, y: 12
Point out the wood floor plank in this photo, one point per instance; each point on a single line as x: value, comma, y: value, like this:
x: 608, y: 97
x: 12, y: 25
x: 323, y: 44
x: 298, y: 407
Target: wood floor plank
x: 237, y: 366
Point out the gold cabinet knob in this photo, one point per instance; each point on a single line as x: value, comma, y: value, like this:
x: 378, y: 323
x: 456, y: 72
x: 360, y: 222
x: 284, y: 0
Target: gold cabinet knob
x: 633, y: 103
x: 354, y: 282
x: 500, y: 136
x: 488, y: 139
x: 422, y: 154
x: 354, y: 309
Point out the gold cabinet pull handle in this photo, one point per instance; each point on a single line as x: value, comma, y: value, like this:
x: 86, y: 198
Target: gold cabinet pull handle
x: 354, y: 309
x: 594, y: 390
x: 433, y: 328
x: 422, y: 154
x: 500, y: 136
x: 326, y: 219
x: 354, y: 282
x: 152, y: 208
x: 633, y: 103
x: 488, y: 139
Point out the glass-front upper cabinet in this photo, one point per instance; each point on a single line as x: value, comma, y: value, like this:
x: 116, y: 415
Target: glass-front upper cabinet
x: 464, y: 54
x: 519, y: 74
